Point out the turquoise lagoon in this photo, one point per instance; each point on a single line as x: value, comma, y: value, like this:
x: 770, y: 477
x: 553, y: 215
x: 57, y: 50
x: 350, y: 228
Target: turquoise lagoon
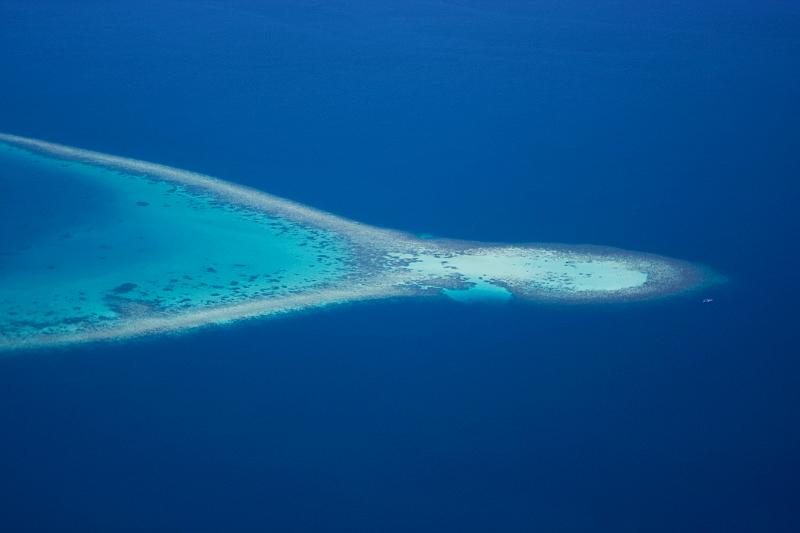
x: 96, y: 246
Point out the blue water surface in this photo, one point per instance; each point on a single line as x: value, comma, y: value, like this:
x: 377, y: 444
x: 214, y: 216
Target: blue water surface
x: 665, y: 127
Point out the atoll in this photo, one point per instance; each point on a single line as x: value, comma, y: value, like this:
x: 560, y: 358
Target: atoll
x: 158, y: 249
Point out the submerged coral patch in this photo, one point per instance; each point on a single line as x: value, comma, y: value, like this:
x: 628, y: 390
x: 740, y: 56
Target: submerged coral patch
x: 156, y: 249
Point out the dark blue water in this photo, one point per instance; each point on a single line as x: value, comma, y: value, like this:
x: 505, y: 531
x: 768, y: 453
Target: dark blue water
x: 667, y: 127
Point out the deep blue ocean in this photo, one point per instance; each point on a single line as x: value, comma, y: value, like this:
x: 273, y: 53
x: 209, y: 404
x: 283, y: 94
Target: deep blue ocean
x: 665, y: 127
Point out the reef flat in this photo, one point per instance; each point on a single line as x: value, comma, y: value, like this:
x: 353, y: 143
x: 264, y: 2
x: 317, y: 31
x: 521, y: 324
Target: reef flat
x: 96, y: 246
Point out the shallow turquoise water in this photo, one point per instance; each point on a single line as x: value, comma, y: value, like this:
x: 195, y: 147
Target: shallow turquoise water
x: 105, y: 247
x: 113, y: 245
x: 481, y: 291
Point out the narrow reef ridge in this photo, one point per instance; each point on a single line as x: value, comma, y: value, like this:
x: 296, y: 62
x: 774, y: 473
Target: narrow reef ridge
x: 158, y: 249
